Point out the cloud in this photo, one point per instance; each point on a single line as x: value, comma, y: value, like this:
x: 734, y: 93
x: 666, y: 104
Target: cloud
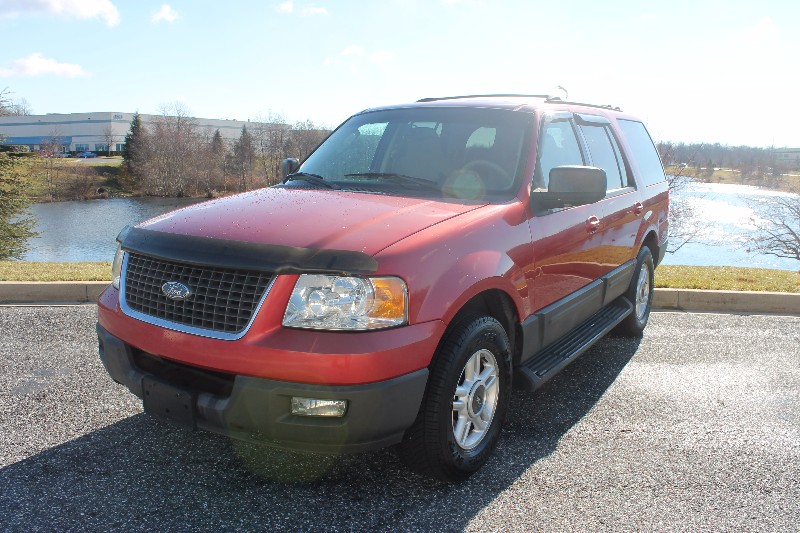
x: 312, y: 11
x: 764, y: 33
x: 286, y: 7
x: 79, y: 9
x: 166, y: 13
x: 38, y: 65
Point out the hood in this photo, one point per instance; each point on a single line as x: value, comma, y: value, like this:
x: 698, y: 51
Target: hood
x: 309, y: 218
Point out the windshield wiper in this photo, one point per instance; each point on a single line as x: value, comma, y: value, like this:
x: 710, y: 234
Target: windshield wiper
x: 401, y: 178
x: 316, y: 179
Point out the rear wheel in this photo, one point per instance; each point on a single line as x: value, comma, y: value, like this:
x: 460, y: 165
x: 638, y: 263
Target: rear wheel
x: 640, y: 294
x: 465, y: 404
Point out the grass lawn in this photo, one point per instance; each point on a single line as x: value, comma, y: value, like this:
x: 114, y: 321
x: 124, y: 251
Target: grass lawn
x: 30, y: 271
x: 675, y: 277
x: 727, y: 278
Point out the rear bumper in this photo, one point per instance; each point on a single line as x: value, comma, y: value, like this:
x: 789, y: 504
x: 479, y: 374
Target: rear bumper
x: 258, y: 409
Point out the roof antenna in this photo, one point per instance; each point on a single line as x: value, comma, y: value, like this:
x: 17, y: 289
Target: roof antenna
x: 566, y: 93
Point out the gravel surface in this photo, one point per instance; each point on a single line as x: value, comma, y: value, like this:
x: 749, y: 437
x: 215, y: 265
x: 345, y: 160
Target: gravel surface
x: 694, y: 427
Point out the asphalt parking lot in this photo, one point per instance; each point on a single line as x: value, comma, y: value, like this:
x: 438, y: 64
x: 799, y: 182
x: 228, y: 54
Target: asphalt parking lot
x: 694, y: 427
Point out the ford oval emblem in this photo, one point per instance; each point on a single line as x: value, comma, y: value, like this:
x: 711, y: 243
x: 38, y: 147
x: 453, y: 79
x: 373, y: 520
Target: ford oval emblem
x: 175, y: 290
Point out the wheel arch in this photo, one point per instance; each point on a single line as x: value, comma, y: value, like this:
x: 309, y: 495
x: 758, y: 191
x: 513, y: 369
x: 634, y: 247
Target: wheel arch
x: 651, y: 241
x: 497, y: 304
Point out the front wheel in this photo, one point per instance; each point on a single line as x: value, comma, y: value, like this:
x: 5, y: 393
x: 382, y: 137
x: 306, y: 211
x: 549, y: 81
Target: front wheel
x: 465, y: 404
x: 640, y: 294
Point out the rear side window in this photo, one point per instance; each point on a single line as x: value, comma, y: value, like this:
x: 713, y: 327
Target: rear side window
x: 643, y: 151
x: 603, y: 154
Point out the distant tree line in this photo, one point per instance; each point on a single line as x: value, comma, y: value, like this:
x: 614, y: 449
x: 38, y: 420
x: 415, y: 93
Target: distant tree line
x: 705, y: 157
x: 174, y: 156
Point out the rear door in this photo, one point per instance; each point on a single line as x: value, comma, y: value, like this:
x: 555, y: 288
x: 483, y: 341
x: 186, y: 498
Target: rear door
x: 621, y: 210
x: 566, y: 242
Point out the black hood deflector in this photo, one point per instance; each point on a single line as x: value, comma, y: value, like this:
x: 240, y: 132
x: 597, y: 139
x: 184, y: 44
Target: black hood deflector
x: 225, y: 253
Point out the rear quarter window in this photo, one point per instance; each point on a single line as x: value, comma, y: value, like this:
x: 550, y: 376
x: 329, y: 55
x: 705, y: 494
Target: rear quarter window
x: 643, y: 151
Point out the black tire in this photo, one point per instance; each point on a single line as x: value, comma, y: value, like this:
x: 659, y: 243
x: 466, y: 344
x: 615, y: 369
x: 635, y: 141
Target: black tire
x: 640, y: 294
x: 431, y: 447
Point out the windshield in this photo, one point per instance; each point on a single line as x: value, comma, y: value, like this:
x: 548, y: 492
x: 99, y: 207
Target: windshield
x: 451, y: 153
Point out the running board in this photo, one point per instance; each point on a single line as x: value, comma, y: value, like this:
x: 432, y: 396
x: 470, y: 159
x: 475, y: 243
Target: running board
x: 534, y: 372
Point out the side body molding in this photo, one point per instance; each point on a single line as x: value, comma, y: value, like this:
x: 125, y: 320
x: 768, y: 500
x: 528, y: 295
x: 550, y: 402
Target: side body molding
x: 550, y: 323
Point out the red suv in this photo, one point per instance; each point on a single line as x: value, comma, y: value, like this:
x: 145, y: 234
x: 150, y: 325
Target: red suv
x: 397, y: 282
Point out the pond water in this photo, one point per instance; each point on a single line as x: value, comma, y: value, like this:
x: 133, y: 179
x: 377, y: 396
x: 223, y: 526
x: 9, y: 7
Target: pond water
x: 725, y: 214
x: 86, y: 231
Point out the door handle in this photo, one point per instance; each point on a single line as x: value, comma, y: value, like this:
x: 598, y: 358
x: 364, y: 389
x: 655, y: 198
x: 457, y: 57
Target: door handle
x: 592, y: 224
x: 638, y: 208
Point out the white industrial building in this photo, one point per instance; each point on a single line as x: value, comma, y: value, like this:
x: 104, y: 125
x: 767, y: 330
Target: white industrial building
x: 93, y: 132
x: 788, y: 157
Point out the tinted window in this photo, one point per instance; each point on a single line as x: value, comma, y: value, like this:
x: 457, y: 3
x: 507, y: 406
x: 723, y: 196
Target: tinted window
x: 627, y: 181
x: 643, y: 151
x: 603, y: 155
x: 460, y: 154
x: 557, y: 146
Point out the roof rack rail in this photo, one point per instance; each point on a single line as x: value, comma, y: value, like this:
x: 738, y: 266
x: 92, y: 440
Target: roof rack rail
x: 558, y: 100
x: 550, y: 99
x: 545, y: 96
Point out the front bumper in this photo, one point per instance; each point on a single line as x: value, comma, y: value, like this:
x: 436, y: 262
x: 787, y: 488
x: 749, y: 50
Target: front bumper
x: 258, y: 409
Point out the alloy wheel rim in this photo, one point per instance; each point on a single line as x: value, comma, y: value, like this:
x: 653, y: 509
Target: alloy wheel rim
x: 642, y: 292
x: 475, y: 399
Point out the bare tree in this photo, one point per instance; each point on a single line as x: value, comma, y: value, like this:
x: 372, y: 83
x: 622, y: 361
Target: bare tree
x: 9, y: 107
x: 306, y: 136
x: 684, y: 226
x: 271, y: 140
x: 171, y: 165
x: 5, y: 102
x: 21, y: 107
x: 777, y: 227
x: 52, y: 150
x: 109, y: 138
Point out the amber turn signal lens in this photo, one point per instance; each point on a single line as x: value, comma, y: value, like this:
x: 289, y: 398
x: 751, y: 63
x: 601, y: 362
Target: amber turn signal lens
x: 390, y: 298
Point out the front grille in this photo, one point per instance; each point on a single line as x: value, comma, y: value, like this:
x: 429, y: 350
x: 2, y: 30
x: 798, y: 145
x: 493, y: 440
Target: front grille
x: 223, y: 299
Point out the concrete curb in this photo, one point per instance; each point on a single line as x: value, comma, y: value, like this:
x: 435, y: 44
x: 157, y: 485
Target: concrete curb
x: 59, y: 292
x: 728, y: 301
x: 70, y: 292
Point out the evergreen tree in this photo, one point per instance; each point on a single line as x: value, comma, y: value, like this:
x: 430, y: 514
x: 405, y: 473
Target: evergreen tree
x: 216, y: 167
x: 134, y: 151
x: 217, y: 145
x: 14, y: 231
x: 244, y: 154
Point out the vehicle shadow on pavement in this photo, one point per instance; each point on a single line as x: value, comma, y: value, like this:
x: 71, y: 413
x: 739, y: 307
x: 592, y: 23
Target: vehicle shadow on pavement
x: 142, y: 474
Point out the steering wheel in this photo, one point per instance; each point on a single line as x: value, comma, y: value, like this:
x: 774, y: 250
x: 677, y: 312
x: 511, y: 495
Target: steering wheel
x: 497, y: 176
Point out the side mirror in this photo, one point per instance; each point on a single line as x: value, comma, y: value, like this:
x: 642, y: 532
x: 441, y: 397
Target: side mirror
x: 571, y: 185
x: 289, y: 166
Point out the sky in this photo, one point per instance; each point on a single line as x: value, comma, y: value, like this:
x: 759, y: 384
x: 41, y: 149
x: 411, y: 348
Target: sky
x: 694, y: 71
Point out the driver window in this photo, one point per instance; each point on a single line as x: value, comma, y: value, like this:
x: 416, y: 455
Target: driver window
x: 557, y: 146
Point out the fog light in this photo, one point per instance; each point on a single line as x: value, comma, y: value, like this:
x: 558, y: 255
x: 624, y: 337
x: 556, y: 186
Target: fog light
x: 317, y: 407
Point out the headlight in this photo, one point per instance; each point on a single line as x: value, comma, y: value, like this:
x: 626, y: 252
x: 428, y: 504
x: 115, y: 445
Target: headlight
x: 116, y: 267
x: 346, y: 303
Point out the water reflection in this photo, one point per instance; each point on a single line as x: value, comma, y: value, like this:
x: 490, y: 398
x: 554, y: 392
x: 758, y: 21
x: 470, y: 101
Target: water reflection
x: 85, y: 230
x: 726, y: 215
